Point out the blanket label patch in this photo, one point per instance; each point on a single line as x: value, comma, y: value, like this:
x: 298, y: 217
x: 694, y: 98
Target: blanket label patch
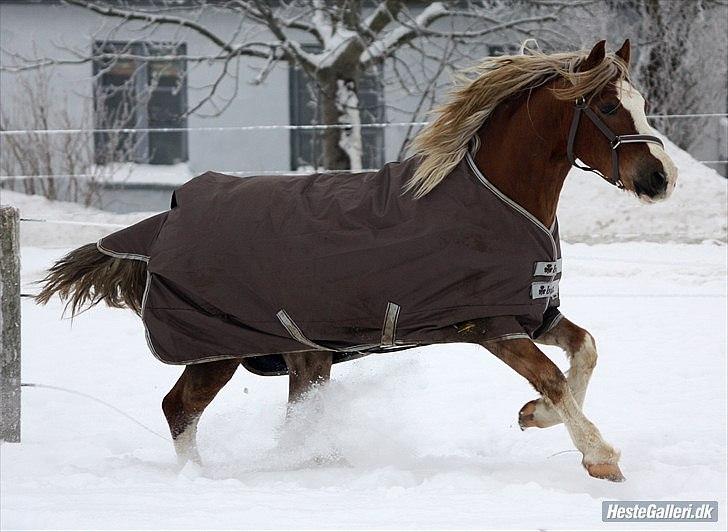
x: 539, y: 290
x: 547, y: 268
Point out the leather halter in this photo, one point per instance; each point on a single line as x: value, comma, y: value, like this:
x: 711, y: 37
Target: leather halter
x: 581, y: 106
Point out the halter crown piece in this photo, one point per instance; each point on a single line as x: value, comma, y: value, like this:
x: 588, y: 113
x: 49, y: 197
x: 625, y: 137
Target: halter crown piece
x: 581, y: 106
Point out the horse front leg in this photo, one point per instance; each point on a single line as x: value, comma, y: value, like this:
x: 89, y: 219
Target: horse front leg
x: 599, y: 458
x: 581, y: 351
x: 183, y: 405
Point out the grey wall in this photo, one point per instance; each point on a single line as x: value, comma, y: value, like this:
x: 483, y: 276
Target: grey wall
x: 38, y: 30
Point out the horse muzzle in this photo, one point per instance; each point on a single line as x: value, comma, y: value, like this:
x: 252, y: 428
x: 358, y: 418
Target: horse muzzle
x: 652, y: 185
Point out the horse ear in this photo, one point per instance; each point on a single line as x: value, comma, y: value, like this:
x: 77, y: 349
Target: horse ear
x: 596, y: 56
x: 624, y: 52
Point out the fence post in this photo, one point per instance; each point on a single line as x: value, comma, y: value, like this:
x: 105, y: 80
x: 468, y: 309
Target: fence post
x: 9, y: 325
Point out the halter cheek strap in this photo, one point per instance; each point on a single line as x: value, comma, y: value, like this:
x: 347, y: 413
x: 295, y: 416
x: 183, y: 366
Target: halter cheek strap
x: 581, y: 106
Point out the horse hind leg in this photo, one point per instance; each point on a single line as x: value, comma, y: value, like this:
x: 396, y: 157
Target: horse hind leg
x: 581, y: 351
x: 183, y: 405
x: 306, y: 370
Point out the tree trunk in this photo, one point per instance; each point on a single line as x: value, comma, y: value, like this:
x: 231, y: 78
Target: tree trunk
x: 334, y: 156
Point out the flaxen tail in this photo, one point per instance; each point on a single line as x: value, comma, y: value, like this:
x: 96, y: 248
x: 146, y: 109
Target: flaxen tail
x: 85, y: 277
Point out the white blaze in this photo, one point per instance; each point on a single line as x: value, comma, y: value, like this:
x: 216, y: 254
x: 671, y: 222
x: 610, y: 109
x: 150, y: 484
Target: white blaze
x: 634, y: 103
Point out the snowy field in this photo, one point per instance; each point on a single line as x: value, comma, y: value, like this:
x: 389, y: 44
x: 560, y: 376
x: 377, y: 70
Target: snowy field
x: 422, y: 440
x: 425, y: 439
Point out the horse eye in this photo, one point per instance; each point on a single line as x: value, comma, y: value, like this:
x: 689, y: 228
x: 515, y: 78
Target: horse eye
x: 609, y: 109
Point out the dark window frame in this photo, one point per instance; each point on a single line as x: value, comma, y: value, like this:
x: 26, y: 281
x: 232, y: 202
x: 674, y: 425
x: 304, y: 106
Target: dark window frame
x: 148, y: 147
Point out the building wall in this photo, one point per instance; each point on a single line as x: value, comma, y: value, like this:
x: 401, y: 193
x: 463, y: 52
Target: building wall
x: 37, y: 30
x: 45, y: 29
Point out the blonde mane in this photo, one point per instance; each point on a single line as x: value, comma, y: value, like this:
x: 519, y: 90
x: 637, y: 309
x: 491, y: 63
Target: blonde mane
x: 480, y: 89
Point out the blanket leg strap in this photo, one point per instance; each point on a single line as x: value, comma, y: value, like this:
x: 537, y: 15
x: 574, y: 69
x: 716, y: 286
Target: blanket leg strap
x: 390, y: 325
x: 295, y: 331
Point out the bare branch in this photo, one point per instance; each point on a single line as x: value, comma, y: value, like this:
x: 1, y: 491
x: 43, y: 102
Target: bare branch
x: 354, y: 38
x: 137, y: 14
x: 406, y: 32
x: 213, y: 91
x: 384, y: 13
x: 35, y: 64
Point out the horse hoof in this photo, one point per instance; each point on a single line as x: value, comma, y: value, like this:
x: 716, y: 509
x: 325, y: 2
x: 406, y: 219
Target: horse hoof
x: 536, y: 414
x: 609, y: 472
x: 525, y: 416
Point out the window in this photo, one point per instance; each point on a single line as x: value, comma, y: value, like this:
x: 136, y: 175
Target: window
x: 140, y: 93
x: 307, y: 146
x: 495, y: 50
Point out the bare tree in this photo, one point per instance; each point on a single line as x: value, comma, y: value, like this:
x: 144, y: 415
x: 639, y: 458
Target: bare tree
x: 334, y: 42
x: 681, y: 63
x: 58, y: 166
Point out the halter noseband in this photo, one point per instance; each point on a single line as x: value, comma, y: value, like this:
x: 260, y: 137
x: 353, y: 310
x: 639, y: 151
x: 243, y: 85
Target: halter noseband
x: 581, y: 106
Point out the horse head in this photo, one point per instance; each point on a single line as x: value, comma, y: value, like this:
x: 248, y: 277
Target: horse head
x: 610, y: 133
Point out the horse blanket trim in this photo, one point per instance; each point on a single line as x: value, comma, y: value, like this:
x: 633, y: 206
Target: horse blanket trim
x: 139, y: 242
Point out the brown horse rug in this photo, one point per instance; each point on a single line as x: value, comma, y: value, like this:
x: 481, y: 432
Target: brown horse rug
x: 259, y: 266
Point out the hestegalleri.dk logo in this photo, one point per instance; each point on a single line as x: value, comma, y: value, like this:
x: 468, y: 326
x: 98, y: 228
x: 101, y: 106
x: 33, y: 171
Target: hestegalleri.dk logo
x: 664, y: 511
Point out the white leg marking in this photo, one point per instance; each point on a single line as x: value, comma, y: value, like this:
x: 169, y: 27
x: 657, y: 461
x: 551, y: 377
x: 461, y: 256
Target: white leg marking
x: 584, y: 434
x: 185, y: 444
x: 633, y: 102
x: 544, y: 414
x: 583, y: 361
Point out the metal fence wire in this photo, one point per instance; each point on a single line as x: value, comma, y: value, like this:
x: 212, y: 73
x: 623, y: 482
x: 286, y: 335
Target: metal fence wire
x: 268, y: 127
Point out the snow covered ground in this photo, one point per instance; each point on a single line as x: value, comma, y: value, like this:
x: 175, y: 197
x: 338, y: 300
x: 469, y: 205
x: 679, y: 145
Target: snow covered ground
x: 425, y: 439
x: 421, y: 440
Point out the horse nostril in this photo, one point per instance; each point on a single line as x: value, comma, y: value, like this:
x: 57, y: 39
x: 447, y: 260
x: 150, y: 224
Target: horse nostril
x: 653, y: 183
x: 658, y: 181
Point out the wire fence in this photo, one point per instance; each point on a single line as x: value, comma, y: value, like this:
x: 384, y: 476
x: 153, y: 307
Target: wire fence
x: 285, y: 127
x: 241, y: 173
x: 268, y: 127
x: 588, y: 258
x: 622, y: 236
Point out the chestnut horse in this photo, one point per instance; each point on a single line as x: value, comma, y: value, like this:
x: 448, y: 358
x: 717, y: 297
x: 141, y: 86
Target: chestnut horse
x: 538, y: 113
